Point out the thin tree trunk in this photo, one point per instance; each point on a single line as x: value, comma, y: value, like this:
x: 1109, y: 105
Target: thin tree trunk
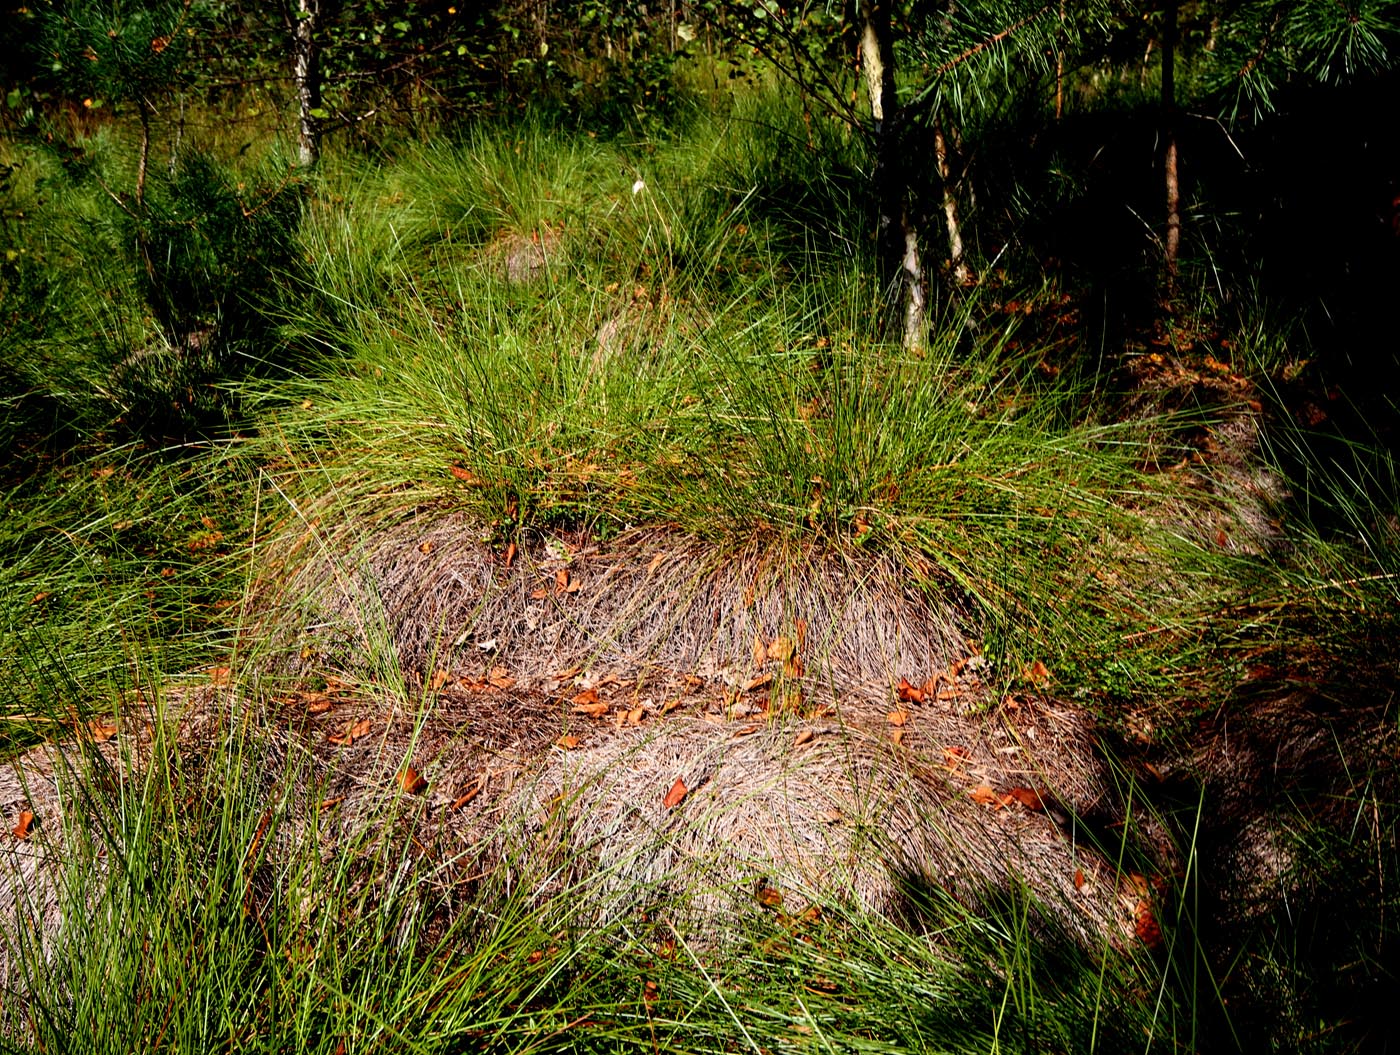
x: 306, y: 75
x: 144, y: 154
x: 1172, y: 246
x: 956, y: 263
x: 1060, y: 66
x: 900, y: 255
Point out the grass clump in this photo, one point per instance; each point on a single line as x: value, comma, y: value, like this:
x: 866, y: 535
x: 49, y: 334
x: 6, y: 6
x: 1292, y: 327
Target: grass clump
x: 537, y: 338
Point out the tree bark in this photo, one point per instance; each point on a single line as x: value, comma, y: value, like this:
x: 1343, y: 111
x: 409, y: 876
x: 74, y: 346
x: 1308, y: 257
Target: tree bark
x: 900, y: 255
x: 1172, y: 243
x: 956, y: 263
x: 306, y: 75
x: 143, y: 155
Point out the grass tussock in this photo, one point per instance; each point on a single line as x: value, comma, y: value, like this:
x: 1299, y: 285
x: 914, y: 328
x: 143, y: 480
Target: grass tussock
x: 447, y: 440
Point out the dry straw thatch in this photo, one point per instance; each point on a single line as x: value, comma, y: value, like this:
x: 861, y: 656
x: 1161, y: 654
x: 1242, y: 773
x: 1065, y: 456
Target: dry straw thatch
x: 685, y: 726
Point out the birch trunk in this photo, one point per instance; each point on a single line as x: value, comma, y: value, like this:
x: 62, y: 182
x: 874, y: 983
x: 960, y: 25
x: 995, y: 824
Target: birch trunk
x: 957, y: 265
x: 306, y: 75
x: 900, y: 254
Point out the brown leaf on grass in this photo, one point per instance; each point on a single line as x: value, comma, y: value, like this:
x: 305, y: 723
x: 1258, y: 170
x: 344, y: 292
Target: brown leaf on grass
x: 760, y: 650
x: 1145, y: 925
x: 897, y: 736
x: 539, y: 594
x: 411, y: 780
x: 956, y: 754
x: 500, y: 678
x: 464, y: 798
x: 465, y: 475
x: 757, y: 682
x: 318, y: 704
x: 1221, y: 539
x: 564, y: 582
x: 985, y: 795
x: 219, y: 675
x: 792, y: 668
x: 635, y: 716
x: 1028, y: 798
x: 909, y: 693
x: 25, y: 825
x: 592, y: 710
x: 426, y: 546
x: 585, y: 698
x: 672, y: 704
x: 510, y: 555
x: 769, y: 896
x: 100, y: 731
x: 806, y: 736
x: 327, y: 804
x: 438, y: 680
x: 897, y: 717
x: 568, y: 743
x: 1037, y: 673
x: 675, y: 795
x: 748, y: 730
x: 41, y: 596
x: 782, y: 649
x: 1079, y: 879
x: 354, y: 731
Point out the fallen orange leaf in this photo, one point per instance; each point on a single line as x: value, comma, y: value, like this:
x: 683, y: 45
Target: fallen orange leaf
x: 804, y: 737
x: 1079, y: 879
x: 585, y: 698
x: 568, y: 743
x: 985, y: 795
x: 909, y: 693
x: 510, y: 555
x: 318, y: 705
x: 101, y: 732
x: 1037, y: 673
x: 757, y: 682
x: 1027, y: 798
x: 769, y: 896
x: 426, y: 546
x: 463, y: 799
x: 760, y: 651
x: 219, y: 675
x: 500, y: 678
x: 897, y: 717
x: 1145, y: 925
x: 635, y: 715
x: 411, y: 780
x: 782, y: 649
x: 897, y: 736
x: 25, y: 825
x: 438, y: 680
x: 592, y: 710
x: 748, y: 730
x: 675, y: 795
x: 352, y: 733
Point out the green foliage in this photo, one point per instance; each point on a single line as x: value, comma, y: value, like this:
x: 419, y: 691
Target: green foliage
x: 127, y: 52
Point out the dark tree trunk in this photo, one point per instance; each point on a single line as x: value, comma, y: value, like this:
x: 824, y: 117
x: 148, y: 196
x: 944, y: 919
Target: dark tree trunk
x: 1172, y: 243
x: 900, y: 255
x: 306, y: 75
